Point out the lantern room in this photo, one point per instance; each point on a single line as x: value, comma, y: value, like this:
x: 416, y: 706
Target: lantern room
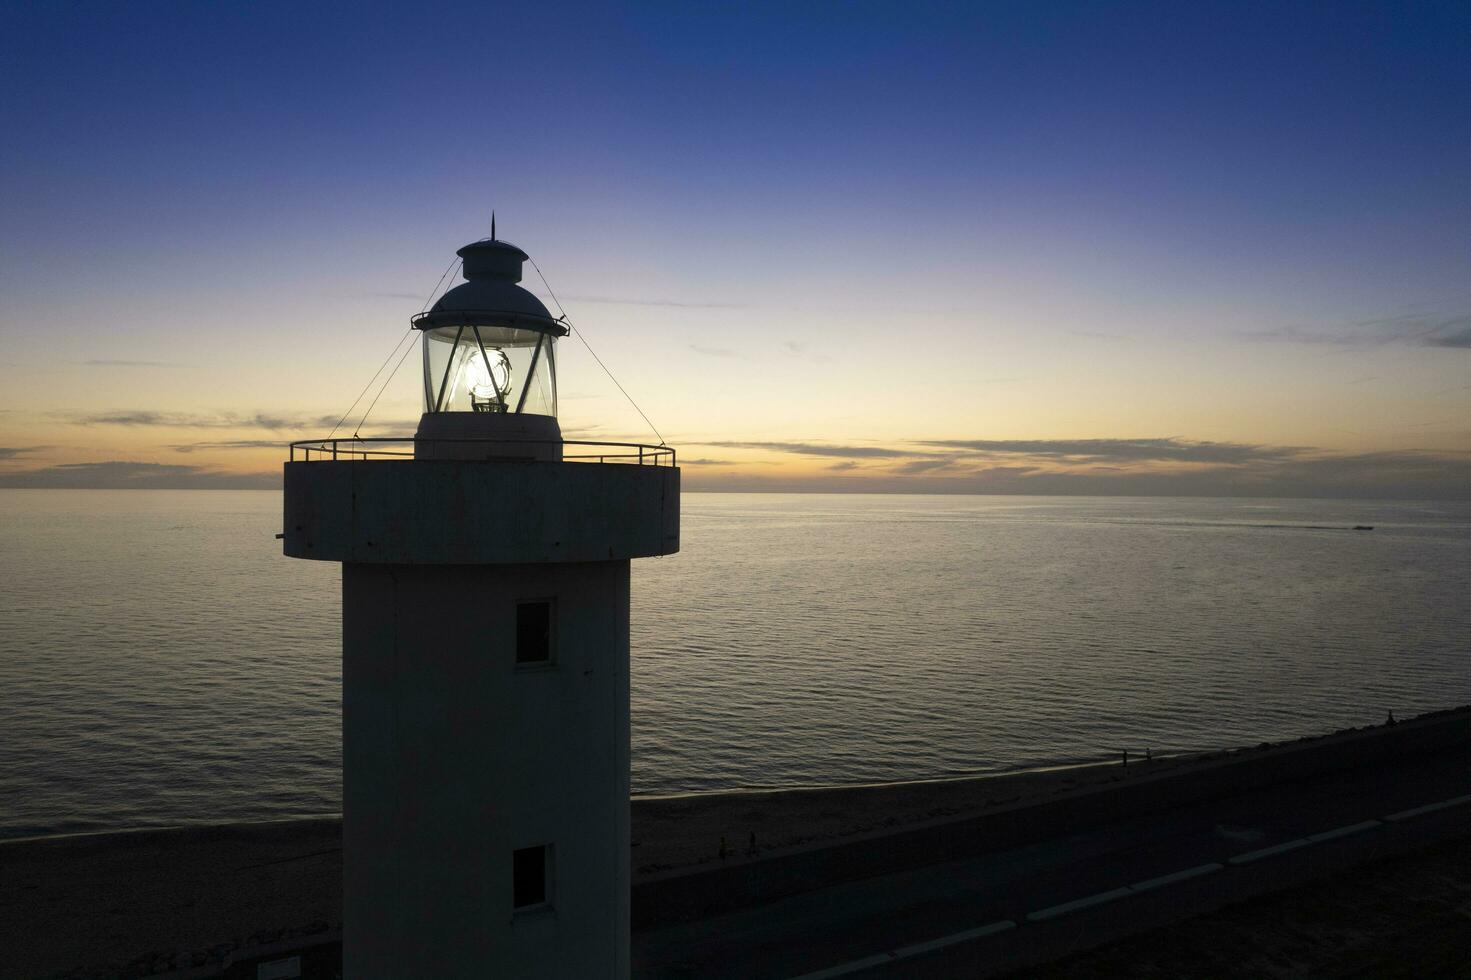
x: 489, y: 344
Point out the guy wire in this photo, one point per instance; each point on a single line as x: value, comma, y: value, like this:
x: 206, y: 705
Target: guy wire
x: 594, y: 353
x: 396, y: 346
x: 404, y: 356
x: 407, y: 350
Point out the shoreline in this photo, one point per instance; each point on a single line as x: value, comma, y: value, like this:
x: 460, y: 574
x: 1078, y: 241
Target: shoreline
x: 658, y: 801
x: 683, y: 829
x: 938, y: 796
x: 699, y: 794
x: 686, y: 831
x: 140, y: 896
x: 635, y: 799
x: 915, y: 781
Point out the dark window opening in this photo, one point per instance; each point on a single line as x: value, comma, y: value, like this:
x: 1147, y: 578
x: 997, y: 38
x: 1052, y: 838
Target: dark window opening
x: 534, y: 631
x: 529, y: 877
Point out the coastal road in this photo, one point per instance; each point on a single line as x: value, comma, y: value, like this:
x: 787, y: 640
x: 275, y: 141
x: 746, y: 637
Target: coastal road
x: 836, y: 931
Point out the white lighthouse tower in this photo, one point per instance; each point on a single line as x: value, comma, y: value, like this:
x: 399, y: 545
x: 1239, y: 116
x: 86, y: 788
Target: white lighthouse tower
x: 485, y: 609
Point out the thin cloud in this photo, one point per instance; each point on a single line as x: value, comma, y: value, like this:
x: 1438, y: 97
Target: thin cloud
x: 705, y: 462
x: 795, y: 348
x: 713, y: 351
x: 1388, y: 474
x: 1006, y: 472
x: 820, y: 449
x: 11, y: 452
x: 344, y: 434
x: 1410, y: 330
x: 845, y: 465
x: 1100, y: 335
x: 923, y: 465
x: 1420, y: 475
x: 190, y: 447
x: 1294, y: 334
x: 1459, y: 338
x: 127, y: 475
x: 185, y: 420
x: 1433, y: 330
x: 1131, y: 450
x: 113, y: 362
x: 934, y: 453
x: 631, y: 301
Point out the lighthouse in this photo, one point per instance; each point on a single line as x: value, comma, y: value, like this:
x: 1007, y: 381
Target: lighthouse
x: 485, y: 652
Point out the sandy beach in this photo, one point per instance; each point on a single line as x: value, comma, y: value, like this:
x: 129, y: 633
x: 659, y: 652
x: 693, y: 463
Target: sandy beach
x: 674, y: 833
x: 145, y: 900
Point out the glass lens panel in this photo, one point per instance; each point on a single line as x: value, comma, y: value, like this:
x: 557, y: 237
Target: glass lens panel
x: 540, y: 391
x: 503, y: 372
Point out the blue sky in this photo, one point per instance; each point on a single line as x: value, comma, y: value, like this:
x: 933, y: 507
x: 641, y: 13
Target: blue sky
x: 856, y: 225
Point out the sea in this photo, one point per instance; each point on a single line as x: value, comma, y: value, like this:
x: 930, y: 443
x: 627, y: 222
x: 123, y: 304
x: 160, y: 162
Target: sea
x: 161, y: 663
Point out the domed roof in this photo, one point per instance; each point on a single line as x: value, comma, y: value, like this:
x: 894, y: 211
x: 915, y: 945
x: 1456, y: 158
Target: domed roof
x: 490, y: 296
x: 491, y: 291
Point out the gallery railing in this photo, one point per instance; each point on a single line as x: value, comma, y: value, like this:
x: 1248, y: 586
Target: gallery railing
x: 307, y: 450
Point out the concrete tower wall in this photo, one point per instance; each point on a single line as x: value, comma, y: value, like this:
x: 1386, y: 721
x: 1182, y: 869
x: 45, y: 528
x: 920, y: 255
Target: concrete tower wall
x: 455, y: 756
x: 451, y: 512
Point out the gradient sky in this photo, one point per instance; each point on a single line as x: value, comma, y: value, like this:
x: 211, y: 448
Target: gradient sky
x: 1052, y: 247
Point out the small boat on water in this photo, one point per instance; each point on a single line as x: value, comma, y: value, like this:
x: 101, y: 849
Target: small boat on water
x: 1363, y: 527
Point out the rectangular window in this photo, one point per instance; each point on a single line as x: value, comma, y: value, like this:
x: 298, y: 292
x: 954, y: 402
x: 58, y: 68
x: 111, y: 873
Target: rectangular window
x: 534, y: 631
x: 529, y: 867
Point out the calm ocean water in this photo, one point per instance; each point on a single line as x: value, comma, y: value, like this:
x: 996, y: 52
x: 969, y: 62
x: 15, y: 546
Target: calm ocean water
x: 161, y: 663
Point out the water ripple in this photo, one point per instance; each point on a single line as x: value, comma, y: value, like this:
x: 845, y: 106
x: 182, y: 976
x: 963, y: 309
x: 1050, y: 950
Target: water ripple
x: 160, y: 662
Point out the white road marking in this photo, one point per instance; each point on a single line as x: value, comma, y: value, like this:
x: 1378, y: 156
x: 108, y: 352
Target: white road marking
x: 1267, y: 852
x: 1005, y: 925
x: 1053, y: 911
x: 1353, y: 828
x: 852, y: 966
x: 905, y: 952
x: 1186, y: 875
x: 1429, y: 808
x: 1149, y: 884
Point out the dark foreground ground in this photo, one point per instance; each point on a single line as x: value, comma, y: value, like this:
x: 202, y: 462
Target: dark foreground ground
x: 1114, y: 863
x: 1402, y: 919
x: 840, y: 873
